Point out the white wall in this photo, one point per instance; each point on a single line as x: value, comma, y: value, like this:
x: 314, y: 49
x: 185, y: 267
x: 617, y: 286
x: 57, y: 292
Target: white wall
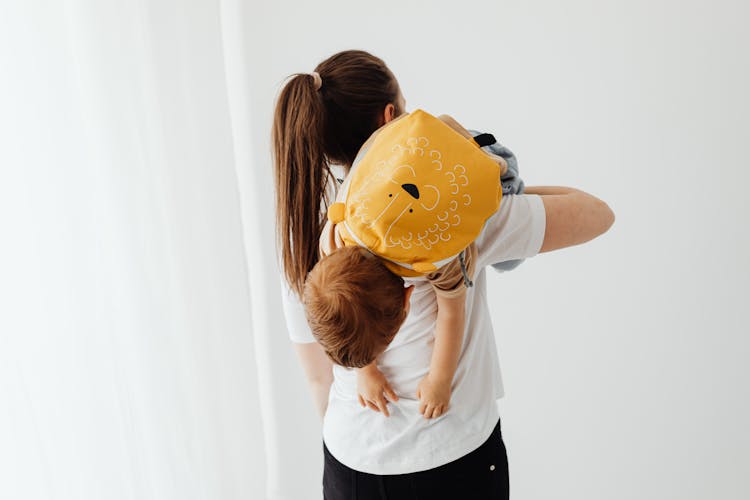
x: 625, y: 359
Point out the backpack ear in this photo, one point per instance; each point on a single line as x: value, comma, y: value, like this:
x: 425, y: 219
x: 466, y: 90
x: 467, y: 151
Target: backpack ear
x: 424, y: 267
x: 336, y: 213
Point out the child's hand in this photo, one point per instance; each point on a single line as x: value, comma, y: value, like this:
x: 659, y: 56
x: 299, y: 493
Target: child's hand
x: 373, y: 388
x: 452, y: 123
x: 434, y: 395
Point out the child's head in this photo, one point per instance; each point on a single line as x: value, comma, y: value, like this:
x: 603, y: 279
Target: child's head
x: 354, y: 305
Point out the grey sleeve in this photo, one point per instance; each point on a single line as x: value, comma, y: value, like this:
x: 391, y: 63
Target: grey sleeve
x: 511, y: 180
x: 512, y: 184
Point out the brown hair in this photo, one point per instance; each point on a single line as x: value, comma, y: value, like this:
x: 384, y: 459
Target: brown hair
x: 313, y: 128
x: 354, y: 305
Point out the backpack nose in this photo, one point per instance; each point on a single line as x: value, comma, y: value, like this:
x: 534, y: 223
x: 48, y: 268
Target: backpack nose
x: 411, y: 189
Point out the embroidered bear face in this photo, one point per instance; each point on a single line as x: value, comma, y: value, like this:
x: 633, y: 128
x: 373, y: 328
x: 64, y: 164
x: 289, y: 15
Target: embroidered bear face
x: 420, y: 194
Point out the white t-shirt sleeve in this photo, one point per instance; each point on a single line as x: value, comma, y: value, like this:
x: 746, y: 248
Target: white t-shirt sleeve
x: 515, y: 231
x: 294, y: 314
x: 294, y: 311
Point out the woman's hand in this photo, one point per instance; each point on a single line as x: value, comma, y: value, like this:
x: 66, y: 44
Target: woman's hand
x: 373, y: 389
x: 434, y: 394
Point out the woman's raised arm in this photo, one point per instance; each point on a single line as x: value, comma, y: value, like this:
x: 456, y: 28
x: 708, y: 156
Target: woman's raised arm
x: 573, y: 216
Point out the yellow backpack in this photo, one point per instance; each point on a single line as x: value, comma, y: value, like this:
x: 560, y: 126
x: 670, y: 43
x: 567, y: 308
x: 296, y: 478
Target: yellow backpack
x: 417, y: 195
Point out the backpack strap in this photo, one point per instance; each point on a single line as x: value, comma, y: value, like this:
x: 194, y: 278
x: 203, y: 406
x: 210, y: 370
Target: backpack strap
x: 467, y: 282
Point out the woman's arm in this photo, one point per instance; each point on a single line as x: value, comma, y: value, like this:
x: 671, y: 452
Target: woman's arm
x: 315, y: 362
x: 318, y: 370
x: 573, y: 216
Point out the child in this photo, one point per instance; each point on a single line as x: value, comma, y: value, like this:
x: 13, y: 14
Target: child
x: 355, y: 302
x: 355, y: 306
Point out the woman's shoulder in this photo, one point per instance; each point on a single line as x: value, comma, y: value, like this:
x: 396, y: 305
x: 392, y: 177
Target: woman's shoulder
x: 515, y: 231
x: 294, y: 316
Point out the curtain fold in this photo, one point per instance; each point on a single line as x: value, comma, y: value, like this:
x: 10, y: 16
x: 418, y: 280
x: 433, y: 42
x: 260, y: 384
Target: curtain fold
x: 293, y: 441
x: 133, y: 362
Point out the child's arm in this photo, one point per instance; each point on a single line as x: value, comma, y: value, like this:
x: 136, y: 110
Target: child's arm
x: 373, y: 388
x: 434, y: 390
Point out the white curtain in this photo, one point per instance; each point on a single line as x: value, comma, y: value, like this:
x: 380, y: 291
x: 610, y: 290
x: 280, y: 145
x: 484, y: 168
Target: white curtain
x: 139, y: 336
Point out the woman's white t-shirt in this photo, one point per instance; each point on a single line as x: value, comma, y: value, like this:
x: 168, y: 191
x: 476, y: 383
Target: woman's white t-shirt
x: 405, y: 442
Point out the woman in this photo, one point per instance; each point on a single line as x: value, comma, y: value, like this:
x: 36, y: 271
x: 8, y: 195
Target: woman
x: 324, y: 118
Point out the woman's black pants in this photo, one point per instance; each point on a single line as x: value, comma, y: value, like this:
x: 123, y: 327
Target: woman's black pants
x: 482, y: 474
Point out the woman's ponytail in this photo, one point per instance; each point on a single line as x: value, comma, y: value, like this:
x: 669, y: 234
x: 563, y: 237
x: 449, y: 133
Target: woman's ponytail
x: 321, y: 119
x: 302, y: 172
